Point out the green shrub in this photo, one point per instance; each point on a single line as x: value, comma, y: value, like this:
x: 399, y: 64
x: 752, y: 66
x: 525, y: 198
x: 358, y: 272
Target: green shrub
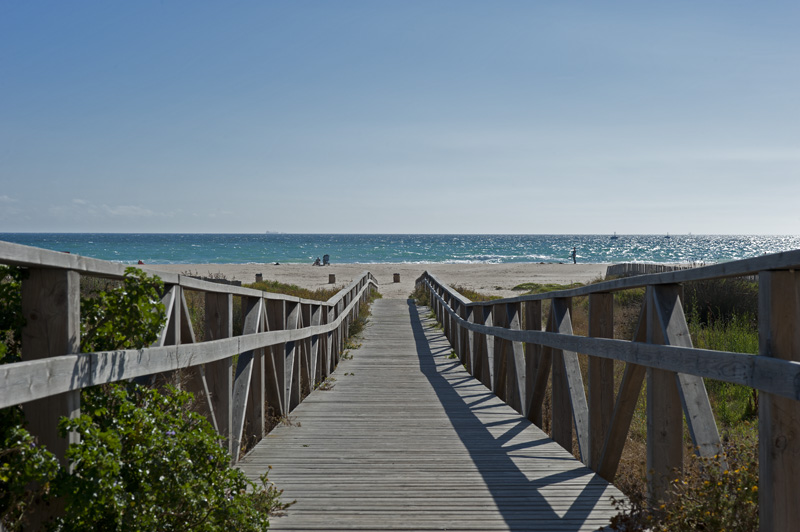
x: 420, y: 295
x: 716, y: 497
x: 26, y: 470
x: 732, y: 403
x: 11, y: 319
x: 320, y: 294
x: 472, y: 295
x: 145, y: 461
x: 129, y: 316
x: 708, y: 496
x: 722, y: 299
x: 537, y: 288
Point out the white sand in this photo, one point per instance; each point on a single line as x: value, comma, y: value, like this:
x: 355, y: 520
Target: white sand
x: 490, y: 279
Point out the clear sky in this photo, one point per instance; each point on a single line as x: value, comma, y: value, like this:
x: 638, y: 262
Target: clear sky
x: 400, y: 116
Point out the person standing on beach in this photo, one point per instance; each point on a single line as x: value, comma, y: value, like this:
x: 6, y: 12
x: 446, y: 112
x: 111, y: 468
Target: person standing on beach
x: 574, y: 255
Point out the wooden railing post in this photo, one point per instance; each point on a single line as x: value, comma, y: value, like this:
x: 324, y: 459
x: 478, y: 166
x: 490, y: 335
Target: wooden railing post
x: 306, y: 376
x: 463, y: 334
x: 500, y: 384
x: 515, y: 361
x: 316, y: 344
x: 444, y: 317
x: 292, y: 364
x: 276, y: 360
x: 664, y: 413
x: 332, y: 347
x: 624, y: 406
x: 219, y: 374
x: 537, y: 369
x: 51, y: 307
x: 484, y: 348
x: 452, y: 330
x: 170, y: 334
x: 601, y: 376
x: 248, y: 386
x: 779, y: 417
x: 472, y: 341
x: 569, y: 397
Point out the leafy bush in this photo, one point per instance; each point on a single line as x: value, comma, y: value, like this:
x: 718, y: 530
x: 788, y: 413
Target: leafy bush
x: 145, y: 460
x: 11, y: 319
x: 126, y: 317
x: 472, y: 295
x: 708, y: 496
x: 26, y: 470
x: 420, y: 295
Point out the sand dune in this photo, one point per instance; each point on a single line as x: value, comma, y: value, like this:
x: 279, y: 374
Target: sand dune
x: 492, y: 279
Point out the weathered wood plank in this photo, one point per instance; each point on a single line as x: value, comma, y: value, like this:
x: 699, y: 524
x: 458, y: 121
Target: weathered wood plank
x: 779, y: 418
x: 601, y: 376
x: 291, y: 391
x: 404, y: 430
x: 243, y: 385
x: 219, y: 374
x: 561, y: 413
x: 624, y: 407
x: 51, y: 307
x: 664, y: 413
x: 516, y: 361
x: 692, y: 390
x: 779, y: 377
x: 576, y: 408
x: 500, y: 354
x: 111, y: 366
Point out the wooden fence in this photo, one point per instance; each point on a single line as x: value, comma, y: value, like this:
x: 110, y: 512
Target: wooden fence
x: 287, y: 347
x: 502, y: 343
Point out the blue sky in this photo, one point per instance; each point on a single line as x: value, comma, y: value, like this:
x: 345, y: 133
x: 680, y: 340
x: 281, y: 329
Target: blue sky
x: 400, y: 116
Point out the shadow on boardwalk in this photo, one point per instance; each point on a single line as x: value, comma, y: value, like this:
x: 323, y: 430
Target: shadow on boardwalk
x: 407, y: 440
x: 521, y: 498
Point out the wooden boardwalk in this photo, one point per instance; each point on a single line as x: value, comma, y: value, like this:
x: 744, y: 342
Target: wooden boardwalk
x: 407, y: 440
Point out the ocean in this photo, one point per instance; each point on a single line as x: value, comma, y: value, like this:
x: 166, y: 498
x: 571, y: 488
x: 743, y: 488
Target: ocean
x: 422, y: 249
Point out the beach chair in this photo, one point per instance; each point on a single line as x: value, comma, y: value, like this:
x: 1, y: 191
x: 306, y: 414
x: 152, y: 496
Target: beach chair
x: 326, y: 260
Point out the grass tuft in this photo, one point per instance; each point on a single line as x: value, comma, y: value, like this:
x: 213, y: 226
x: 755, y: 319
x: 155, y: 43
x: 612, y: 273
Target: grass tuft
x: 320, y: 294
x: 536, y: 288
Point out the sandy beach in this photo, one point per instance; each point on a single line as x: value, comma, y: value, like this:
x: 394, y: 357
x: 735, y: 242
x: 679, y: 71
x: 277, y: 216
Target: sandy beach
x: 491, y: 279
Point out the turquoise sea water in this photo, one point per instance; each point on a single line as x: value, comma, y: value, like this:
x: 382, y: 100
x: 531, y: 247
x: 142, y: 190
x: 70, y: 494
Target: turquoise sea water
x: 299, y: 248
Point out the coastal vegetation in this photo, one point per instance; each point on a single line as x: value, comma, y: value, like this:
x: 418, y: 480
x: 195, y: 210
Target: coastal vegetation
x: 146, y: 460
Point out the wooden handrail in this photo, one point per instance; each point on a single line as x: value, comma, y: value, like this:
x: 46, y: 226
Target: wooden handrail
x: 518, y: 361
x: 22, y: 382
x: 787, y: 260
x: 291, y: 341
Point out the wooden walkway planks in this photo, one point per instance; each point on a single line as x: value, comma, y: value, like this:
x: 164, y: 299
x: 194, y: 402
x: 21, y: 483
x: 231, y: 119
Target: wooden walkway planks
x: 407, y: 440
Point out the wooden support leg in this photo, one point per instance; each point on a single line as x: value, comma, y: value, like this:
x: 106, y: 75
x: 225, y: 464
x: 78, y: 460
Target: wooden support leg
x: 601, y: 376
x: 51, y: 306
x: 779, y: 417
x: 219, y: 374
x: 533, y: 362
x: 500, y: 352
x: 664, y: 416
x: 624, y: 407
